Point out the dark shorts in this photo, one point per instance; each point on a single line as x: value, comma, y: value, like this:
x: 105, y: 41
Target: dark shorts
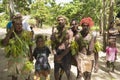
x: 65, y: 62
x: 110, y: 64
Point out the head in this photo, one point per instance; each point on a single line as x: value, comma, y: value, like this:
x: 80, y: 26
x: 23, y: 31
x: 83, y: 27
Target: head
x: 61, y: 20
x: 74, y: 25
x: 112, y: 44
x: 40, y: 40
x: 111, y: 24
x: 86, y: 23
x: 17, y: 23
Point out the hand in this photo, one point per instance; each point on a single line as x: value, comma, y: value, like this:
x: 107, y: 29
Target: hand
x: 54, y: 52
x: 57, y: 58
x: 53, y: 37
x: 115, y: 58
x: 31, y: 59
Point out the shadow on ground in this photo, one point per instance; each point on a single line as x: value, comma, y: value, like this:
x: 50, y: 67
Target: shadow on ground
x: 73, y: 77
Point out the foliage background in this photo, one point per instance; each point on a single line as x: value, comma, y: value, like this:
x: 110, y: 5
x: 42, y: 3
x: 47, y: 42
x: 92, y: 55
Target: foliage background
x: 48, y: 10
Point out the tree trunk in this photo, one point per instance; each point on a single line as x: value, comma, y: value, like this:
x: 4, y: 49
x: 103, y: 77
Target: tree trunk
x: 12, y: 9
x: 104, y: 25
x: 111, y: 16
x: 101, y: 22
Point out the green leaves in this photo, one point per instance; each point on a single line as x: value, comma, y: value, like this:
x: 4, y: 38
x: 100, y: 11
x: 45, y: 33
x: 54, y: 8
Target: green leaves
x: 40, y: 10
x: 98, y: 47
x: 18, y: 46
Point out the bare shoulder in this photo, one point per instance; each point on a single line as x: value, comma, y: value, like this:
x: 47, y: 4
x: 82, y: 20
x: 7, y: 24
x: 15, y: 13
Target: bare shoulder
x: 70, y: 32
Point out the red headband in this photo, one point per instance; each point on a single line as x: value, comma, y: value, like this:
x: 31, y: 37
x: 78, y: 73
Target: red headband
x: 87, y: 21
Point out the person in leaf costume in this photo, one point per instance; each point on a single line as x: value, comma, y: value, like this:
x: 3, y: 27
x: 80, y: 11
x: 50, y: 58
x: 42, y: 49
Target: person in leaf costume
x: 73, y: 45
x: 74, y: 26
x: 61, y: 48
x: 84, y: 55
x: 18, y: 47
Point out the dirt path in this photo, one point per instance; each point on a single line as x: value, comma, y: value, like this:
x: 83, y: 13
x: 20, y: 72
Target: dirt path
x: 101, y: 75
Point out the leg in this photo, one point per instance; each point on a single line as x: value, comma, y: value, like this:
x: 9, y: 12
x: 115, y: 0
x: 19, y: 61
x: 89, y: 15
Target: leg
x: 79, y: 73
x: 28, y: 78
x: 14, y: 77
x: 61, y: 73
x: 87, y: 75
x: 56, y: 70
x: 67, y: 71
x: 108, y: 65
x: 47, y: 75
x: 113, y: 66
x: 88, y: 70
x: 36, y: 76
x: 96, y: 56
x: 66, y: 65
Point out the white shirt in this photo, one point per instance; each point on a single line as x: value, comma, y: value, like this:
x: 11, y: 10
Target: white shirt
x: 26, y: 26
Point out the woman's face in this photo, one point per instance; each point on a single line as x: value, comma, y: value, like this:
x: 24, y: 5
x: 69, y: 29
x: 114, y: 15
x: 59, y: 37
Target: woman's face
x: 18, y: 26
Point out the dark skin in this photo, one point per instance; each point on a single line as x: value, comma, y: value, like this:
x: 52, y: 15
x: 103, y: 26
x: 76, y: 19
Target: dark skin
x: 17, y: 28
x: 40, y: 43
x: 85, y: 32
x: 64, y: 44
x: 74, y: 27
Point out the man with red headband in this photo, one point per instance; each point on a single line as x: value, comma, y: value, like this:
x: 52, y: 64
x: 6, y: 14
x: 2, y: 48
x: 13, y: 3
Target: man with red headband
x: 84, y: 55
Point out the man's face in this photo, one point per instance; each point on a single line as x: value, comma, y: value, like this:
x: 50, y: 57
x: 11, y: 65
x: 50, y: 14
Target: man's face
x: 85, y: 28
x: 61, y: 21
x: 74, y: 25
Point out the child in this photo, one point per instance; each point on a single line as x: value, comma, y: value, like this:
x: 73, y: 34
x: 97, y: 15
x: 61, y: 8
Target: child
x: 111, y: 55
x: 41, y: 54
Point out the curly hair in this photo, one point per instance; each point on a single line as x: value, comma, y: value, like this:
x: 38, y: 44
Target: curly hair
x: 64, y: 17
x: 40, y: 36
x: 88, y: 21
x: 17, y: 18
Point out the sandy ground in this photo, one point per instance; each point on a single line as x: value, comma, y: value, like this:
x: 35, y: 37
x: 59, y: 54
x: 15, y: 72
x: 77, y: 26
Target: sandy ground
x: 101, y: 75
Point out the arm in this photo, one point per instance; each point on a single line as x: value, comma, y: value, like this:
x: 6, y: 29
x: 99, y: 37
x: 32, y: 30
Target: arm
x: 116, y: 54
x: 6, y: 39
x: 67, y: 46
x: 91, y: 45
x: 30, y: 55
x: 53, y: 41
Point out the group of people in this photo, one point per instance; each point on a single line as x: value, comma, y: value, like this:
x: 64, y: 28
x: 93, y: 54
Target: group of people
x: 74, y: 46
x: 70, y: 46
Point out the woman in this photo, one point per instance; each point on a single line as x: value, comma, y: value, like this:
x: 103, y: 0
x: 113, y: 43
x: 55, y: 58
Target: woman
x: 18, y: 50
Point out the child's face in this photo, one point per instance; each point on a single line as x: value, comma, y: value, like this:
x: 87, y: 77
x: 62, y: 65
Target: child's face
x: 112, y: 44
x: 40, y: 42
